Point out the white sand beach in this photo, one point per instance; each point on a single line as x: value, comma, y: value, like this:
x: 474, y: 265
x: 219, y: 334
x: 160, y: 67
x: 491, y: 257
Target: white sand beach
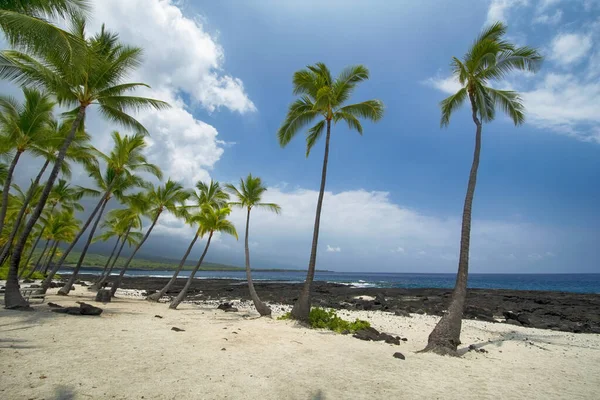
x: 128, y: 353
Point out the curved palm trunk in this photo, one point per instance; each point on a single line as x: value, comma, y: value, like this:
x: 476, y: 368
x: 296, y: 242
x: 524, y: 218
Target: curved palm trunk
x: 116, y: 283
x: 102, y: 280
x: 46, y: 282
x: 445, y: 337
x: 261, y: 307
x: 39, y: 260
x: 94, y: 285
x: 13, y: 298
x: 67, y: 287
x: 301, y: 309
x: 158, y: 295
x: 181, y: 296
x: 6, y: 188
x: 19, y: 219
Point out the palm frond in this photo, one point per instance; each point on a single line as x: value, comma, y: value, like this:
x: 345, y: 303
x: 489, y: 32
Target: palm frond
x: 450, y: 104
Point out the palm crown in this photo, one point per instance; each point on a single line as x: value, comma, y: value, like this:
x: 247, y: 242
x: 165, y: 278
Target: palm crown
x: 169, y: 196
x: 214, y: 219
x: 94, y: 78
x: 250, y: 193
x: 490, y: 58
x: 323, y: 98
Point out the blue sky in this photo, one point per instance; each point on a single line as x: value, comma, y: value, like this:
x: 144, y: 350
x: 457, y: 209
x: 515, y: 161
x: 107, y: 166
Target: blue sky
x: 395, y: 194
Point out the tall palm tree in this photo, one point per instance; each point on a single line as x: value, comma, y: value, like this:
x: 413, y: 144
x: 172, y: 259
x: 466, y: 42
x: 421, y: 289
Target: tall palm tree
x: 125, y: 159
x: 490, y: 57
x: 171, y: 197
x: 26, y: 25
x: 96, y: 78
x: 209, y: 194
x: 25, y: 127
x: 212, y: 219
x: 128, y: 219
x: 323, y: 98
x: 249, y: 196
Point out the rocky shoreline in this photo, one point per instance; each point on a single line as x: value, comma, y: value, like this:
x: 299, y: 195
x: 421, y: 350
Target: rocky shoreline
x: 570, y: 312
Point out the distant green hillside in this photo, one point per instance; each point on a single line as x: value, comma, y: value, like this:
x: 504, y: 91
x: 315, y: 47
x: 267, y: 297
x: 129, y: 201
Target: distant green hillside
x: 99, y: 260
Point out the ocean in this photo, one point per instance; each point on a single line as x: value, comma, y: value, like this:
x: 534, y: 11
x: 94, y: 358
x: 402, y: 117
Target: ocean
x: 577, y: 283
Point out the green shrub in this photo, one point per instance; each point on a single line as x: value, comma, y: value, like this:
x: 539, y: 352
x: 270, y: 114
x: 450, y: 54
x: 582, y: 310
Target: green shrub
x: 319, y: 318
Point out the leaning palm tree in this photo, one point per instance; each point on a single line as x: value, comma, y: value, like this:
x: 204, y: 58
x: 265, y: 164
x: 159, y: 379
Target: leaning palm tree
x: 171, y: 197
x: 114, y: 228
x: 128, y: 219
x: 323, y: 98
x: 60, y: 228
x: 96, y: 78
x: 209, y: 194
x: 66, y: 197
x: 212, y: 219
x: 489, y: 58
x: 25, y: 126
x: 249, y: 196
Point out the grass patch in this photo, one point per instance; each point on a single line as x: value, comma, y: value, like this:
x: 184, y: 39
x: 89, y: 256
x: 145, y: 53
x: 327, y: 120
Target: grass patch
x: 319, y: 318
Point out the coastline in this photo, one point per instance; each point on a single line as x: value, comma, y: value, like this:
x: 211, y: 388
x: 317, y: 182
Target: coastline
x: 560, y: 311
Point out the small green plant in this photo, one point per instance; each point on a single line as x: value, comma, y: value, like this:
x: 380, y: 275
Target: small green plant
x: 319, y: 318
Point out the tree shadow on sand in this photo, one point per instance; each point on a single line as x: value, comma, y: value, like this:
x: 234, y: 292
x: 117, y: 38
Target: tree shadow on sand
x: 63, y: 392
x: 531, y: 338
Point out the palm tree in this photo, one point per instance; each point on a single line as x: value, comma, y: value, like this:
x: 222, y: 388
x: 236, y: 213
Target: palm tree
x: 209, y: 194
x: 125, y: 159
x: 25, y: 25
x: 170, y: 197
x: 113, y: 228
x: 95, y: 78
x: 489, y: 58
x: 25, y: 127
x: 67, y: 197
x: 212, y: 219
x: 60, y: 227
x: 249, y: 196
x: 323, y: 98
x: 128, y: 219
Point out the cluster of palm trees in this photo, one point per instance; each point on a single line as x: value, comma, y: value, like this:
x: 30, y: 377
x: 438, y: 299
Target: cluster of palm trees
x: 75, y: 71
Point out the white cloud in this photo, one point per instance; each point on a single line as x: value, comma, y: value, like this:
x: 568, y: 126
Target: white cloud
x: 565, y: 104
x: 368, y: 224
x: 499, y: 9
x: 447, y: 85
x: 333, y: 249
x: 568, y: 48
x: 545, y: 4
x: 549, y: 19
x: 180, y: 57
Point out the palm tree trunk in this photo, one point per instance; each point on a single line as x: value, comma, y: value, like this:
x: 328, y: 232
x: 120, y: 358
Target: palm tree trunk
x: 67, y: 287
x: 6, y: 188
x: 51, y: 255
x: 32, y: 251
x: 103, y: 279
x: 46, y: 282
x: 13, y: 298
x: 158, y: 295
x: 17, y: 224
x: 261, y: 307
x: 116, y: 283
x: 445, y: 337
x: 301, y: 309
x: 181, y: 296
x: 95, y: 286
x: 39, y: 260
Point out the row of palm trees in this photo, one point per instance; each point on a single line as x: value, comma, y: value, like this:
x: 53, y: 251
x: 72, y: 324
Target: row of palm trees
x: 76, y: 71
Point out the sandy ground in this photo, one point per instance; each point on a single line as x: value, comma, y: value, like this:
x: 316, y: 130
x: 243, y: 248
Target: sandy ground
x: 128, y: 353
